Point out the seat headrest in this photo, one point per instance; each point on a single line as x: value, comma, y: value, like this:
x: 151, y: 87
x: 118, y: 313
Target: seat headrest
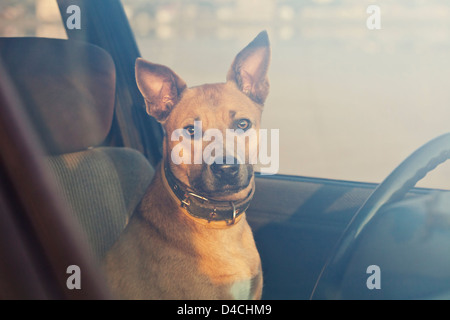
x: 68, y: 88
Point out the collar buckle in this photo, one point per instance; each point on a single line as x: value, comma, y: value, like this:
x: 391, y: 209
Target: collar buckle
x: 235, y: 212
x: 185, y: 202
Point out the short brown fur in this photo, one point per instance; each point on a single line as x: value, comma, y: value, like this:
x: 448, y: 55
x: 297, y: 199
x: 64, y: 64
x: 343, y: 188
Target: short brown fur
x: 164, y: 253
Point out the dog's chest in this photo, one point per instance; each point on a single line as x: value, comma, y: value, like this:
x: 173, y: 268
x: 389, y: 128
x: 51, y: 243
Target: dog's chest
x: 232, y: 263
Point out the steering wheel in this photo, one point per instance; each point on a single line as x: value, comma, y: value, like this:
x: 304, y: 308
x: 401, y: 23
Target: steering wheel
x: 393, y: 188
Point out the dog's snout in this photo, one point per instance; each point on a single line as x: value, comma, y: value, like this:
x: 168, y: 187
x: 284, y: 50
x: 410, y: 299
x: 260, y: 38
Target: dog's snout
x: 227, y: 170
x: 225, y: 176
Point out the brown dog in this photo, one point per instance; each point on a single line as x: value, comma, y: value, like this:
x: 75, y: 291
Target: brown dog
x: 189, y: 239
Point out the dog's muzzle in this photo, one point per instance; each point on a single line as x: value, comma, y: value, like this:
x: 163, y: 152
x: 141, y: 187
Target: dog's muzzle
x: 223, y: 178
x: 227, y: 172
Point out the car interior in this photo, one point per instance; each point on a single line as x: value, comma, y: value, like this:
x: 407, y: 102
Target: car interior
x: 78, y: 153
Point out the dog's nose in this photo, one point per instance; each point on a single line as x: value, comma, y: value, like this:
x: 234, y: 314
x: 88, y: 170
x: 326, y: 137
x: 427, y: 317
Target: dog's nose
x: 226, y: 171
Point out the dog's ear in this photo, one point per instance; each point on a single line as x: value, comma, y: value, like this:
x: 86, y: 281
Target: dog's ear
x: 160, y: 86
x: 249, y: 68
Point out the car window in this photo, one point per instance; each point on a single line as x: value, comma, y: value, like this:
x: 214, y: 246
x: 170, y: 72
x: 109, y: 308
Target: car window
x: 355, y: 88
x: 350, y: 101
x: 28, y: 18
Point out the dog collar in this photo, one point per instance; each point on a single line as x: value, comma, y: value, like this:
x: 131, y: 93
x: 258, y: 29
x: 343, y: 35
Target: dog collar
x: 204, y: 210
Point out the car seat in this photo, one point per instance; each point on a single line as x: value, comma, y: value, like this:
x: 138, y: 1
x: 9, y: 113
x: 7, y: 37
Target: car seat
x: 68, y: 89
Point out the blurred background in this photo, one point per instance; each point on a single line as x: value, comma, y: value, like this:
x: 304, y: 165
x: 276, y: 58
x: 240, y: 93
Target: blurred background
x: 350, y: 103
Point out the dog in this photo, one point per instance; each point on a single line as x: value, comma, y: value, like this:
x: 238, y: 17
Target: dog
x: 189, y: 237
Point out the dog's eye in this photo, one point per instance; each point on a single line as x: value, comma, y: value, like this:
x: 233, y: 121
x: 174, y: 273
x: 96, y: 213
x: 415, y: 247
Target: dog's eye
x: 243, y: 124
x: 189, y: 130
